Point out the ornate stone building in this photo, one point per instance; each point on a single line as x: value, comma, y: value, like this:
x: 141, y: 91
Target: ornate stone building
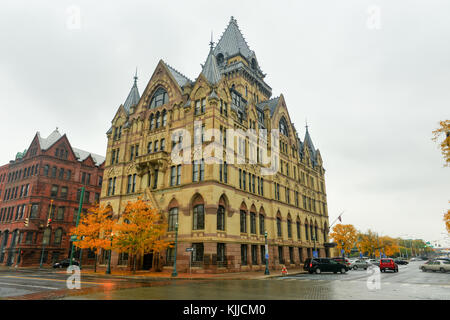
x: 223, y: 208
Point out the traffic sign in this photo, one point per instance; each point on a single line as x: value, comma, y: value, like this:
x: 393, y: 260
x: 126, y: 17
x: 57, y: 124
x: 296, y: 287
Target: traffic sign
x: 315, y: 254
x: 267, y: 256
x: 342, y: 251
x: 73, y: 238
x: 360, y: 255
x: 189, y: 249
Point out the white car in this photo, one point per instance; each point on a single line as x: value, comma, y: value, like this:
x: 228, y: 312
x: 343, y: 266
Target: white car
x: 436, y: 265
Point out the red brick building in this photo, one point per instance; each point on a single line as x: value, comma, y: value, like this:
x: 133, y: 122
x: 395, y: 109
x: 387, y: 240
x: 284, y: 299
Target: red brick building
x: 45, y: 182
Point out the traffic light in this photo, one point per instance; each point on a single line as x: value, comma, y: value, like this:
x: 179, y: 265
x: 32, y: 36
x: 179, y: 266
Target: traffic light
x: 27, y: 221
x: 49, y: 220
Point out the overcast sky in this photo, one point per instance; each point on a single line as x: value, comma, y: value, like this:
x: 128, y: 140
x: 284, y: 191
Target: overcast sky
x: 371, y: 89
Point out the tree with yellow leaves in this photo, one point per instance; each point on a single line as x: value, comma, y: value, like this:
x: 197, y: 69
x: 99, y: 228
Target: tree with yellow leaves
x: 444, y: 129
x: 141, y: 231
x: 94, y: 229
x: 369, y: 242
x: 345, y: 235
x: 447, y: 220
x: 389, y: 246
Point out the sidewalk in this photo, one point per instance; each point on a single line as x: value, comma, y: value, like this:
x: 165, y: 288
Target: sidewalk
x: 147, y: 275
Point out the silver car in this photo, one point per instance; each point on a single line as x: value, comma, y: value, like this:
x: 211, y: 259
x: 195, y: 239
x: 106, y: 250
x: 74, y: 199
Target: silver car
x: 359, y: 264
x: 436, y: 265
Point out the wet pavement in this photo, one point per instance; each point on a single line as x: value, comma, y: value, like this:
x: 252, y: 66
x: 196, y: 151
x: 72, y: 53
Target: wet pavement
x: 408, y: 283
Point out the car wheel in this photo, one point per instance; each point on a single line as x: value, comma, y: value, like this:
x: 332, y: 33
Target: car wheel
x: 424, y: 270
x: 334, y: 271
x: 310, y: 271
x: 343, y: 270
x: 318, y: 270
x: 365, y: 268
x: 442, y: 270
x: 355, y: 268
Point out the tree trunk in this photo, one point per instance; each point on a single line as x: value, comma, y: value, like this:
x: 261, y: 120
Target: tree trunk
x: 95, y: 262
x: 134, y: 263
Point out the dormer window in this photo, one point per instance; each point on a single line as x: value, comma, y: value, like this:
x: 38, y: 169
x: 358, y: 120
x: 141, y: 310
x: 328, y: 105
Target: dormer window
x: 220, y: 59
x: 159, y: 98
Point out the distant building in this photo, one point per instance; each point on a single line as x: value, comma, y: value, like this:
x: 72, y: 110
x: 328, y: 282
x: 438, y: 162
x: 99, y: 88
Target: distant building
x: 44, y: 182
x: 223, y: 208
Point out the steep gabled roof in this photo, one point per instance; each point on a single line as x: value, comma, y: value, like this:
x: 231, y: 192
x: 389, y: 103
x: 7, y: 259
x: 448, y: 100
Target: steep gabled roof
x: 55, y: 136
x: 232, y: 42
x: 83, y: 155
x: 46, y: 143
x: 133, y: 97
x: 180, y: 78
x: 272, y: 104
x: 210, y: 69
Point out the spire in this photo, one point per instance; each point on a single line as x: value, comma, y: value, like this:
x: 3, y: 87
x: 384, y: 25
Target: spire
x: 211, y: 43
x: 210, y: 69
x: 133, y: 97
x: 309, y: 143
x: 232, y: 42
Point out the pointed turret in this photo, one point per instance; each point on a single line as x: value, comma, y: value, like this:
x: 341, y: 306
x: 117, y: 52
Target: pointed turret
x: 308, y: 142
x: 133, y: 97
x: 210, y: 69
x: 232, y: 42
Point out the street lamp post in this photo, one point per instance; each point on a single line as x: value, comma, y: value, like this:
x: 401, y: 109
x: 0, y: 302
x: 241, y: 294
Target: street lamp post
x: 174, y: 272
x: 108, y: 270
x: 267, y: 254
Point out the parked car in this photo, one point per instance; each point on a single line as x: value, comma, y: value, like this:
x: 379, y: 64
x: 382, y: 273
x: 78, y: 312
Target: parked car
x: 320, y: 265
x: 401, y: 261
x: 65, y: 263
x: 388, y: 264
x: 436, y: 265
x: 341, y: 260
x: 374, y: 262
x: 359, y: 264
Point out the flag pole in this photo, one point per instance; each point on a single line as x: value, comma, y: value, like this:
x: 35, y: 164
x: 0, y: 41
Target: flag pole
x: 335, y: 220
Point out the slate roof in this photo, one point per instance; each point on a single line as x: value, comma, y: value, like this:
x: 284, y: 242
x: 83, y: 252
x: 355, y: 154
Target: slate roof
x: 310, y: 145
x: 133, y: 97
x: 232, y: 42
x: 272, y: 104
x: 180, y: 78
x: 81, y: 155
x: 210, y: 69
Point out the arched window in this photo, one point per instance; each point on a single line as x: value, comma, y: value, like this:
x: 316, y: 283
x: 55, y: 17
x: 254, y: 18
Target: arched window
x: 159, y: 98
x: 289, y: 227
x: 279, y: 226
x: 46, y: 238
x: 58, y: 236
x: 46, y: 170
x: 164, y: 118
x: 221, y: 218
x: 173, y: 218
x: 152, y: 122
x: 199, y: 217
x: 158, y: 120
x: 306, y: 231
x: 283, y: 127
x: 315, y: 233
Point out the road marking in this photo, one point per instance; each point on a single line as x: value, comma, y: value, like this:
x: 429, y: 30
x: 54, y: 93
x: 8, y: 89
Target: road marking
x: 406, y: 284
x: 27, y: 285
x: 43, y: 279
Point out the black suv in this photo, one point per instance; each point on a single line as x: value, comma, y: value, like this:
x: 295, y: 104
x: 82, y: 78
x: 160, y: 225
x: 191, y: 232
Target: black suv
x: 320, y: 265
x: 65, y: 263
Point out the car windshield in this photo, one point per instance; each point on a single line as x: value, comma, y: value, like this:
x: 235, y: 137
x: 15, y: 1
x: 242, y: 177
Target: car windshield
x: 385, y: 261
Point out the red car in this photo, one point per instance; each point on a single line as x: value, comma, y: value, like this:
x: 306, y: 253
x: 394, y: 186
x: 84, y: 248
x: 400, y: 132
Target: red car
x: 388, y: 264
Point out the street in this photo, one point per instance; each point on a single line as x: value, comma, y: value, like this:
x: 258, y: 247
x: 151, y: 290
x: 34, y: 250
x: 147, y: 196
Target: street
x: 408, y: 283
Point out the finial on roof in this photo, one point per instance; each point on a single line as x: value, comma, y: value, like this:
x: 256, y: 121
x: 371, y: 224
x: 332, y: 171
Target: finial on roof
x: 211, y: 43
x: 135, y: 77
x: 306, y: 126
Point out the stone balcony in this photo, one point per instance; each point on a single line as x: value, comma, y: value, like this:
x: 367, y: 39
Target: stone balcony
x: 152, y: 161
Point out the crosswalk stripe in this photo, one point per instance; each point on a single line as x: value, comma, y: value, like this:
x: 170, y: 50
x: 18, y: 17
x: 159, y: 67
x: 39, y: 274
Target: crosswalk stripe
x: 27, y: 285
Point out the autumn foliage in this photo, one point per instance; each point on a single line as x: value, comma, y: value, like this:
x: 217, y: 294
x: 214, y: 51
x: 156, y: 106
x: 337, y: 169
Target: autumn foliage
x: 444, y: 129
x: 447, y: 220
x: 345, y: 235
x: 141, y: 231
